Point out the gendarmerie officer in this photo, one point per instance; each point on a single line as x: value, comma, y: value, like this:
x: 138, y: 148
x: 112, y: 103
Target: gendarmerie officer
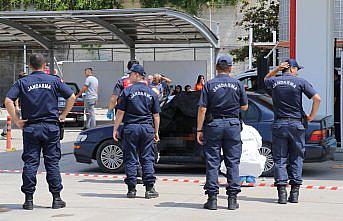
x: 288, y: 128
x: 138, y: 107
x: 38, y: 94
x: 120, y: 85
x: 221, y: 98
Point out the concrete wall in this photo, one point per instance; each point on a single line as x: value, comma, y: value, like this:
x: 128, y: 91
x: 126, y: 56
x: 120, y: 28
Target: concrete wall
x: 314, y: 48
x: 106, y: 72
x: 11, y: 64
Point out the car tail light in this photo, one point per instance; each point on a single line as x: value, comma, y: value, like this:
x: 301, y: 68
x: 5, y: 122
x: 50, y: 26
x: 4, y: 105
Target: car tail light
x: 79, y: 104
x: 318, y: 135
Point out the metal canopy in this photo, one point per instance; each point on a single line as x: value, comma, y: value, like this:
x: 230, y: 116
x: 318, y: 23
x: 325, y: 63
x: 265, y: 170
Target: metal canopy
x: 129, y: 27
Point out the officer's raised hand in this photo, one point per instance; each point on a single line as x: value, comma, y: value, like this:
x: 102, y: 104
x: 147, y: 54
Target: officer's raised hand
x: 283, y: 65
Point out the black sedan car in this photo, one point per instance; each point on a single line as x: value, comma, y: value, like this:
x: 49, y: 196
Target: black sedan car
x: 177, y: 132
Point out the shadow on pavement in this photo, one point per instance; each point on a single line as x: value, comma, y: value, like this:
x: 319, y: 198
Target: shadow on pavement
x: 98, y: 195
x: 253, y: 199
x: 9, y: 207
x: 102, y: 181
x: 184, y: 205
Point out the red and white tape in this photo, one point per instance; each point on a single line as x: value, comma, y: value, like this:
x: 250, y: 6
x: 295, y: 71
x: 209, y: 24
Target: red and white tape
x: 177, y: 180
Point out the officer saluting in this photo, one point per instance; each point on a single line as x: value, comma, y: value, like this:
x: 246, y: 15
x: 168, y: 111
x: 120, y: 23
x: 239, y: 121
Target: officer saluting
x: 38, y: 94
x: 221, y: 98
x: 138, y: 107
x: 288, y: 128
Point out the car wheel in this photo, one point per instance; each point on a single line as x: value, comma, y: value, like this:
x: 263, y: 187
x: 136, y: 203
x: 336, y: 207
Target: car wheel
x: 266, y: 150
x: 110, y: 157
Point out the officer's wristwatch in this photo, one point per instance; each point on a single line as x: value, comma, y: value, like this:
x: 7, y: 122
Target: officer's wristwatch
x: 199, y: 130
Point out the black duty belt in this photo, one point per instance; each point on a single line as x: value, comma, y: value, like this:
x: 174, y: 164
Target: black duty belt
x: 42, y: 121
x: 225, y: 117
x: 289, y: 118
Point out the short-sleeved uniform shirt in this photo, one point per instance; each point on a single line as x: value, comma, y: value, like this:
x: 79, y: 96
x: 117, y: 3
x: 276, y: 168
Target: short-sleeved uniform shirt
x: 139, y: 102
x: 92, y: 91
x: 287, y: 95
x: 120, y: 85
x: 223, y: 96
x: 38, y: 93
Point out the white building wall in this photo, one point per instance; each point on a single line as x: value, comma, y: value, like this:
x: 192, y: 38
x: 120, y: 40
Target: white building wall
x: 314, y: 48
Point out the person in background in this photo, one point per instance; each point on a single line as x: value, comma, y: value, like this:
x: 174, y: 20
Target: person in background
x: 200, y: 83
x: 91, y: 89
x: 150, y: 79
x: 162, y: 84
x: 188, y: 88
x: 337, y: 107
x: 16, y: 104
x: 177, y: 90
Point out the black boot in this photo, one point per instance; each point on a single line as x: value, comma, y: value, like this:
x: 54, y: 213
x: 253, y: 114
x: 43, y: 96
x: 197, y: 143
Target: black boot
x: 151, y: 192
x: 282, y: 193
x: 28, y: 204
x: 211, y: 203
x: 294, y: 194
x: 131, y: 193
x: 232, y: 201
x: 57, y: 202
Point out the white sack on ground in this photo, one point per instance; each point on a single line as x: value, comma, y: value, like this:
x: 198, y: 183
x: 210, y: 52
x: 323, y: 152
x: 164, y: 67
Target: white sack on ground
x: 252, y: 162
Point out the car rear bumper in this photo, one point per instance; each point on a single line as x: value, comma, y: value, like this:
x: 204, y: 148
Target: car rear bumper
x: 320, y: 152
x: 83, y: 152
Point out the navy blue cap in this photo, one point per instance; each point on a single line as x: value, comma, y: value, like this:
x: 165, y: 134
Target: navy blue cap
x: 138, y: 69
x: 225, y: 59
x: 294, y: 63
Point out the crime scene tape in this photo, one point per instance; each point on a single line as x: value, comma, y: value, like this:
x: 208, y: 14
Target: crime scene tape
x: 178, y: 180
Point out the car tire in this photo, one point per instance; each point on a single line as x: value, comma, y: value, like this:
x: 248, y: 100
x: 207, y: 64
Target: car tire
x: 266, y: 150
x: 110, y: 157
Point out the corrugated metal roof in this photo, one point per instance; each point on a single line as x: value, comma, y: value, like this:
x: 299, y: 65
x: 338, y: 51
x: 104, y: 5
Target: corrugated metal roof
x: 131, y: 27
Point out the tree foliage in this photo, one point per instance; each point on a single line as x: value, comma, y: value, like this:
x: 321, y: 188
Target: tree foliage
x: 58, y: 5
x: 190, y: 6
x: 193, y: 7
x: 264, y: 19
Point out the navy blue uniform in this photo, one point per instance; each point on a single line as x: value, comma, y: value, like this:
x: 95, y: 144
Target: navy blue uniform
x: 288, y: 129
x: 139, y: 103
x: 223, y: 96
x: 38, y: 94
x: 120, y: 85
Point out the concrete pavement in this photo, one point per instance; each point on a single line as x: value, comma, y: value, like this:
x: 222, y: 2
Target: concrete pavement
x: 105, y: 199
